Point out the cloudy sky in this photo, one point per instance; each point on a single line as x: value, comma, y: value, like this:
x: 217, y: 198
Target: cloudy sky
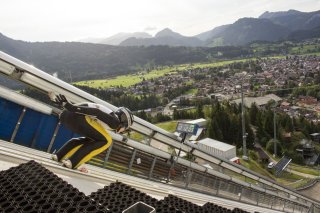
x: 70, y: 20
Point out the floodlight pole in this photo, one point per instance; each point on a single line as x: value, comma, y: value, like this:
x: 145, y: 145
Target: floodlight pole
x: 244, y: 134
x: 274, y: 132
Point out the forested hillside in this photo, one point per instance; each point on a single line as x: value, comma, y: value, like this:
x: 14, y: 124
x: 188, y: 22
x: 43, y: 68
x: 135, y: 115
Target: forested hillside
x: 74, y: 61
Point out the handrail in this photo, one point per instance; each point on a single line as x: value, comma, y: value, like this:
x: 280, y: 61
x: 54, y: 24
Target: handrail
x: 192, y: 165
x: 47, y: 83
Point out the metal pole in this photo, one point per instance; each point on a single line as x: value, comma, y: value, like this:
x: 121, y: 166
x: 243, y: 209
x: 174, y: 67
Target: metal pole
x: 173, y: 160
x: 189, y: 174
x: 149, y: 138
x: 33, y: 143
x: 311, y: 209
x: 54, y: 136
x: 131, y: 161
x: 274, y: 132
x: 218, y: 187
x: 244, y: 136
x: 241, y: 193
x: 258, y: 194
x: 18, y: 124
x: 107, y: 155
x: 273, y: 202
x: 152, y: 166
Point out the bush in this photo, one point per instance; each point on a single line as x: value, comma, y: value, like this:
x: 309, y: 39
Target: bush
x: 296, y: 157
x: 270, y: 147
x: 263, y: 141
x: 253, y: 155
x: 297, y: 137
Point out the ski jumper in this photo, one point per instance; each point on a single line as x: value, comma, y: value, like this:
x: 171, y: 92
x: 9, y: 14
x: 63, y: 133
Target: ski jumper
x: 92, y: 121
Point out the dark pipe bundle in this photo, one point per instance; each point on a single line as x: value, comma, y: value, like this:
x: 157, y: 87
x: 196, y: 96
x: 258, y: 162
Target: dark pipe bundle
x: 119, y: 196
x: 31, y: 188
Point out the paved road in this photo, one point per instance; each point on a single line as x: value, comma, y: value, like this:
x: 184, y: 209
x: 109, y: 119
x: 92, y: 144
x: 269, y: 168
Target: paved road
x: 312, y: 192
x: 167, y: 110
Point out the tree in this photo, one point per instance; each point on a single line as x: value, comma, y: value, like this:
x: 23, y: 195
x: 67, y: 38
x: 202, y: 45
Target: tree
x: 297, y: 137
x: 253, y: 113
x: 214, y: 130
x: 268, y: 122
x: 261, y: 134
x: 160, y: 118
x: 175, y: 115
x: 288, y: 125
x: 234, y: 131
x: 200, y: 113
x: 296, y: 158
x: 250, y: 136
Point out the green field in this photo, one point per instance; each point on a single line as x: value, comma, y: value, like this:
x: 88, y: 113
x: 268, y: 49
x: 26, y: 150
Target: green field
x: 256, y: 167
x: 305, y: 170
x: 169, y: 126
x: 316, y: 53
x: 290, y: 47
x: 132, y: 79
x: 217, y: 64
x: 124, y: 80
x: 191, y: 92
x: 286, y: 178
x: 305, y: 49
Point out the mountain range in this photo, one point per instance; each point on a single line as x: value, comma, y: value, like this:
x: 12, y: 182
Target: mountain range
x: 164, y: 37
x: 74, y: 61
x: 117, y: 38
x: 270, y: 26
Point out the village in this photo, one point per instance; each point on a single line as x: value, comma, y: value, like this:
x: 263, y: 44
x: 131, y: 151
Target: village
x: 262, y: 81
x: 269, y: 79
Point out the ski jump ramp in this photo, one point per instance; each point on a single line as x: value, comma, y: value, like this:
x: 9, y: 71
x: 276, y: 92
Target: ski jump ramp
x: 31, y: 123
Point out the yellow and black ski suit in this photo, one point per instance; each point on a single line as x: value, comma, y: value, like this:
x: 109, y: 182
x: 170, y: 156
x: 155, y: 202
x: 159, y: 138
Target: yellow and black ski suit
x: 92, y: 121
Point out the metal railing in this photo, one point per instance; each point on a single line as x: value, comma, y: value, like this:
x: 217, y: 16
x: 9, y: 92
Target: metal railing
x: 125, y: 159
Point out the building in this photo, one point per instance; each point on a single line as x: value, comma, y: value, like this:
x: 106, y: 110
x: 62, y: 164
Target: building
x: 202, y: 123
x: 307, y: 100
x: 315, y: 137
x: 308, y: 151
x: 217, y: 148
x: 259, y: 101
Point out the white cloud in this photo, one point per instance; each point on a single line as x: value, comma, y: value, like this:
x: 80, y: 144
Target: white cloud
x: 44, y: 20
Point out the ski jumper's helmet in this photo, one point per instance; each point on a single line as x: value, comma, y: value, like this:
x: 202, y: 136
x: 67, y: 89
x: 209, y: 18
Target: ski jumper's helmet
x: 125, y: 116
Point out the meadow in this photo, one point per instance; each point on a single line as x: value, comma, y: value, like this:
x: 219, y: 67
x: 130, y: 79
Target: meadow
x: 132, y: 79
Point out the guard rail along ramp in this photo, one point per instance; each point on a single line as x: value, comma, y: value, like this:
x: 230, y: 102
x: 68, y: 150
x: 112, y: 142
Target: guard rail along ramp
x: 254, y: 184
